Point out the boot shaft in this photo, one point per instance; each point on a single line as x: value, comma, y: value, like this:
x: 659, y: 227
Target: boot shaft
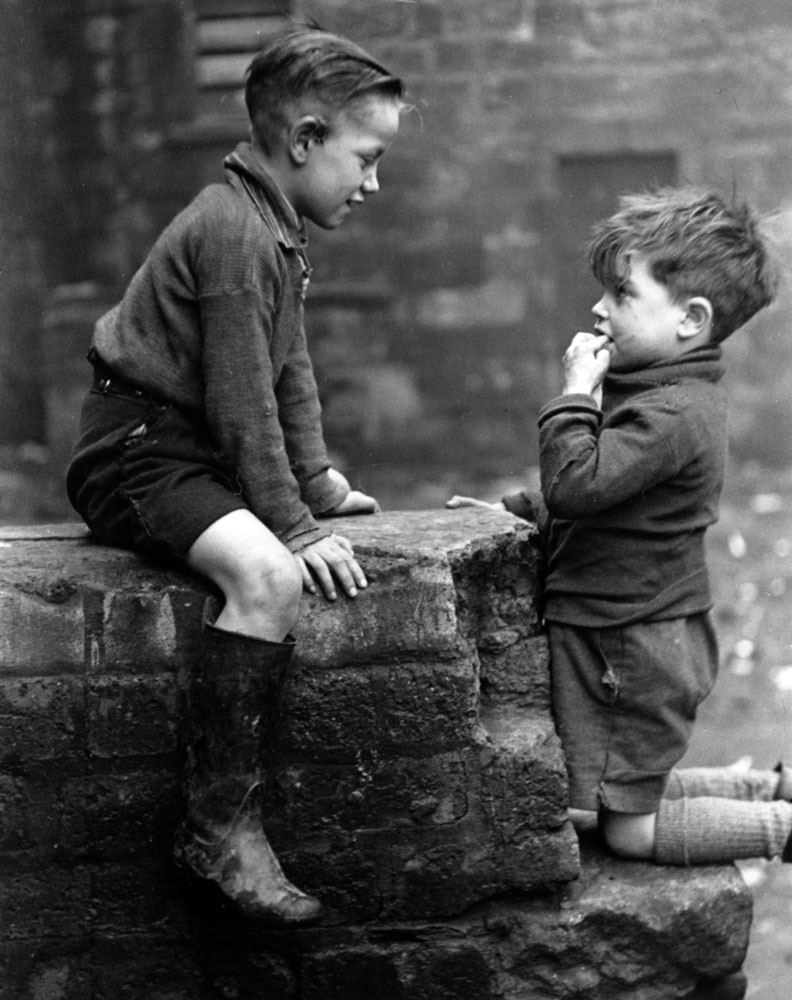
x: 233, y: 716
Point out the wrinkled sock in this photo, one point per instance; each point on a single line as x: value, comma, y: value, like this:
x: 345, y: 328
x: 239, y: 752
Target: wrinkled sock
x: 705, y: 830
x: 731, y: 782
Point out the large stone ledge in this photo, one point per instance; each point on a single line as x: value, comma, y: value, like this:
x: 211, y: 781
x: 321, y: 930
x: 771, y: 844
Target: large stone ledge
x: 420, y: 790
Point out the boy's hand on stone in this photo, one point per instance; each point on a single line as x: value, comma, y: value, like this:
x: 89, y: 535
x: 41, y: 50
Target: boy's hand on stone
x: 585, y: 362
x: 356, y: 502
x: 328, y: 560
x: 457, y: 501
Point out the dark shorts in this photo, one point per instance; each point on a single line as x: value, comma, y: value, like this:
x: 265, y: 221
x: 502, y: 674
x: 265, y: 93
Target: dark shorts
x: 145, y: 476
x: 625, y: 699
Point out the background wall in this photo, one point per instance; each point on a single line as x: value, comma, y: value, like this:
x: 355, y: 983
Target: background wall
x: 439, y: 313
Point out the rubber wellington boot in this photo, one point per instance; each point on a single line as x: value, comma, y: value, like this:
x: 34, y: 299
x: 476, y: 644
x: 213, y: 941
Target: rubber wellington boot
x: 233, y: 720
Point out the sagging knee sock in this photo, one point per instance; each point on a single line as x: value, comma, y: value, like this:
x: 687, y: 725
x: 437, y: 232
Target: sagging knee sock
x: 706, y: 830
x: 729, y: 783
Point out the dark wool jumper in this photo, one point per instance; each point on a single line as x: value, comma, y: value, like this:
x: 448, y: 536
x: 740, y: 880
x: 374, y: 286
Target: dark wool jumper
x: 630, y: 492
x: 213, y: 323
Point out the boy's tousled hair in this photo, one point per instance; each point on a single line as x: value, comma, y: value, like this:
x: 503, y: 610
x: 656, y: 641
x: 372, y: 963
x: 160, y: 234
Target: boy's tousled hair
x: 308, y: 62
x: 695, y: 243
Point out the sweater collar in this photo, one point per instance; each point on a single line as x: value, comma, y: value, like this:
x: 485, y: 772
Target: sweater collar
x: 701, y: 363
x: 245, y: 171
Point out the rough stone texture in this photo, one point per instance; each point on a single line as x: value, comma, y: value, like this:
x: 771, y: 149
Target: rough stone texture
x: 420, y: 792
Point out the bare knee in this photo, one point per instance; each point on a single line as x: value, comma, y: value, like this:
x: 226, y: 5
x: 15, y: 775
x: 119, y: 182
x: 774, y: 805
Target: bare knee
x: 268, y: 587
x: 260, y: 579
x: 628, y: 835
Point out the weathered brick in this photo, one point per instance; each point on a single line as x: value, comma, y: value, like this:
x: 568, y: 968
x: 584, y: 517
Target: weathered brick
x: 53, y: 902
x: 139, y: 631
x: 42, y: 718
x: 109, y: 816
x: 523, y: 776
x: 410, y: 707
x: 516, y: 668
x: 407, y: 609
x: 129, y: 715
x: 148, y: 967
x: 48, y: 968
x: 30, y: 818
x: 371, y: 793
x: 494, y: 812
x: 41, y: 619
x: 413, y: 783
x: 132, y: 897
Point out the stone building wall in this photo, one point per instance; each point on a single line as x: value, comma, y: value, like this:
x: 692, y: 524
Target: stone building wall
x: 419, y: 792
x: 440, y: 311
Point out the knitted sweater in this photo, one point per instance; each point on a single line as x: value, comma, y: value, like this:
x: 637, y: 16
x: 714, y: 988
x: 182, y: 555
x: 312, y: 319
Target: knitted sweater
x: 630, y: 492
x: 213, y: 323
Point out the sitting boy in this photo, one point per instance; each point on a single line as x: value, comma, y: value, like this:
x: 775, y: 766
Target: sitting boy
x: 201, y: 440
x: 632, y: 457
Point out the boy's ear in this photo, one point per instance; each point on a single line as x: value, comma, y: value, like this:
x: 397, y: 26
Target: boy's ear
x: 697, y: 318
x: 305, y: 133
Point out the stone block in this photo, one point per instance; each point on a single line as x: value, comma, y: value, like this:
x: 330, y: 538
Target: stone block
x: 402, y: 709
x: 515, y: 669
x: 371, y: 792
x: 50, y: 902
x: 47, y: 968
x: 419, y: 792
x: 408, y: 609
x: 139, y: 631
x: 130, y: 715
x: 415, y: 837
x: 624, y: 931
x: 111, y: 816
x: 43, y: 629
x: 43, y: 719
x: 149, y: 967
x: 132, y: 896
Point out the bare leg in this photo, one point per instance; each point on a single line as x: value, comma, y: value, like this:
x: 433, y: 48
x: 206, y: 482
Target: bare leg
x: 260, y: 579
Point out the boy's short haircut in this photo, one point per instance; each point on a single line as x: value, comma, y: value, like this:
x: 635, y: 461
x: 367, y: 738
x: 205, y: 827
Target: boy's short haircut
x: 695, y: 243
x: 308, y: 62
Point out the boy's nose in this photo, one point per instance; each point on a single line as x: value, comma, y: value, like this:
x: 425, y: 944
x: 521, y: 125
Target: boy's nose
x: 371, y: 185
x: 599, y: 309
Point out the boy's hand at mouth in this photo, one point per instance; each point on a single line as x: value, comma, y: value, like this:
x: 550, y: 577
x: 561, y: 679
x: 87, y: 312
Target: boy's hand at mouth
x: 585, y: 362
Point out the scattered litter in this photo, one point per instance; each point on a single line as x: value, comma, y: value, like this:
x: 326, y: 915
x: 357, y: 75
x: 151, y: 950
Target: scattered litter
x: 737, y: 546
x: 783, y: 679
x: 782, y: 548
x: 767, y: 503
x: 744, y: 649
x: 742, y: 666
x: 776, y: 587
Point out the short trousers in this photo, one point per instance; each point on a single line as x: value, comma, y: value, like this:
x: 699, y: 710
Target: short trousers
x: 625, y: 699
x: 144, y: 475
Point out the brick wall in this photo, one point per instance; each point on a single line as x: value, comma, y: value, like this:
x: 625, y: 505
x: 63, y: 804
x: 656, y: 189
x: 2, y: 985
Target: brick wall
x: 419, y: 792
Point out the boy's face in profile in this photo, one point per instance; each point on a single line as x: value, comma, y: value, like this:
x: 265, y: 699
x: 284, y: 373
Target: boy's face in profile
x: 641, y: 320
x: 341, y: 170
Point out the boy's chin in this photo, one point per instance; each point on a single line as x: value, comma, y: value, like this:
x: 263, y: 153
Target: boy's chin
x: 333, y: 220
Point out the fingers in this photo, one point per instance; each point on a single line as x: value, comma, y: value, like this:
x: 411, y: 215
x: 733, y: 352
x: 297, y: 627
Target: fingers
x: 587, y: 343
x: 307, y: 579
x: 457, y: 501
x: 330, y: 561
